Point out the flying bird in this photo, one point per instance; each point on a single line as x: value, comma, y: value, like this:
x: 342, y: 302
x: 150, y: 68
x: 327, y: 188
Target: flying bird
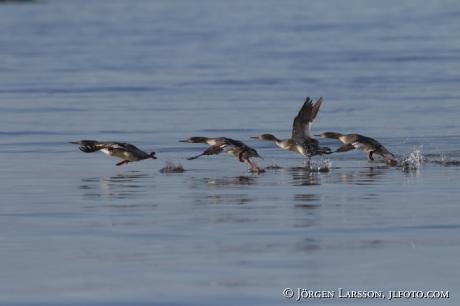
x: 300, y: 140
x: 360, y: 142
x: 227, y: 145
x: 123, y: 150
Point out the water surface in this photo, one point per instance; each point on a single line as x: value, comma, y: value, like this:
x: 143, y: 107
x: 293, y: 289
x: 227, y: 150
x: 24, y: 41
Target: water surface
x: 76, y: 229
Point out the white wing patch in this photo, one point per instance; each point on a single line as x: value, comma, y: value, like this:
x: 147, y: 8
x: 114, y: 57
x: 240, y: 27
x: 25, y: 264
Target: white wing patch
x: 105, y: 150
x: 116, y: 146
x: 308, y: 128
x: 227, y: 147
x: 109, y: 150
x: 359, y: 145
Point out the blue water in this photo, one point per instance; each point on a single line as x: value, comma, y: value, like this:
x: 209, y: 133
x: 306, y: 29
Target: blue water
x: 77, y: 230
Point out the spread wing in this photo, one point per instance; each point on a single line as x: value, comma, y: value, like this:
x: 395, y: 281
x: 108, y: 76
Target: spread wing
x: 125, y: 146
x: 301, y: 126
x: 212, y: 150
x: 88, y: 149
x: 232, y: 144
x: 109, y: 146
x: 345, y: 148
x: 359, y: 145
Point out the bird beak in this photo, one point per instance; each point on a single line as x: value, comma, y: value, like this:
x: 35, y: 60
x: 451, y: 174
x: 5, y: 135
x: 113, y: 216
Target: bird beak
x: 318, y: 135
x: 186, y: 140
x: 255, y: 137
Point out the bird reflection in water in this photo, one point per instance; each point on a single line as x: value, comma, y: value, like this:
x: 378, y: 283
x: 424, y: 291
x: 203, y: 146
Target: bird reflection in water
x: 306, y: 198
x: 225, y: 182
x: 300, y: 177
x: 364, y: 176
x: 229, y: 181
x: 307, y: 207
x: 122, y: 186
x: 217, y: 199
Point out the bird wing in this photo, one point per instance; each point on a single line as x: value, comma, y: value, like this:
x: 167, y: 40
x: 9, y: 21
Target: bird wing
x: 109, y: 146
x: 89, y: 149
x: 231, y: 144
x: 212, y: 150
x: 303, y: 122
x: 345, y: 148
x: 359, y: 145
x: 125, y: 146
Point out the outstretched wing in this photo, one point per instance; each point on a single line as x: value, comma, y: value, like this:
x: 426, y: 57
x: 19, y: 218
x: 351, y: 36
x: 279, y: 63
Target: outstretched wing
x: 359, y: 145
x: 212, y: 150
x: 315, y: 109
x: 230, y: 145
x: 345, y: 148
x: 89, y: 149
x: 301, y: 126
x: 108, y: 146
x: 125, y: 146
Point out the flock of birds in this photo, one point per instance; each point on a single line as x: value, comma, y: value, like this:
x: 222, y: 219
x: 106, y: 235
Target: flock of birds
x: 300, y: 142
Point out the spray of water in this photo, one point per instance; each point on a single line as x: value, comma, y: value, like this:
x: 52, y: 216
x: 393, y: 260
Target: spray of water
x: 412, y: 160
x: 445, y: 160
x: 324, y: 165
x: 171, y: 167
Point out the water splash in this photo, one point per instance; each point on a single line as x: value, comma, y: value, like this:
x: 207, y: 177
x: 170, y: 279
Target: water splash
x: 446, y: 160
x: 324, y: 165
x: 171, y: 167
x: 272, y: 167
x: 412, y: 160
x: 259, y: 170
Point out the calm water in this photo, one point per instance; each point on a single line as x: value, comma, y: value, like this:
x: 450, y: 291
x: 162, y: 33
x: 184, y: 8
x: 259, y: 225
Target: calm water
x: 77, y: 230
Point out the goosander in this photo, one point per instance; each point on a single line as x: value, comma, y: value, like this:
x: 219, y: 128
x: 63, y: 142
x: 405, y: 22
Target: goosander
x: 125, y: 151
x: 300, y: 140
x: 360, y: 142
x: 227, y: 145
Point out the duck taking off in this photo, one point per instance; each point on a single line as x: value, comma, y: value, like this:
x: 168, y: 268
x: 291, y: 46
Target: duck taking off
x: 125, y: 151
x: 227, y: 145
x: 300, y: 140
x: 360, y: 142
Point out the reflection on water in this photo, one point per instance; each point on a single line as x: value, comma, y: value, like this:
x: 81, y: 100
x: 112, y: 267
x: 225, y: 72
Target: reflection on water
x: 304, y: 177
x: 222, y: 199
x: 323, y: 165
x: 308, y: 245
x: 226, y: 182
x: 237, y: 237
x: 354, y: 244
x: 121, y: 186
x: 306, y: 198
x: 365, y: 176
x: 306, y: 213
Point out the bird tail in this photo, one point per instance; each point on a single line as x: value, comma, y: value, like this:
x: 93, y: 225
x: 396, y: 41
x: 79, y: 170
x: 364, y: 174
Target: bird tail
x: 152, y: 155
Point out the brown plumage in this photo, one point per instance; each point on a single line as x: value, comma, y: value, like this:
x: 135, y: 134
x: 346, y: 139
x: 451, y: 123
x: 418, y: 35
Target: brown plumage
x: 227, y: 145
x: 360, y: 142
x: 300, y: 140
x: 125, y: 151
